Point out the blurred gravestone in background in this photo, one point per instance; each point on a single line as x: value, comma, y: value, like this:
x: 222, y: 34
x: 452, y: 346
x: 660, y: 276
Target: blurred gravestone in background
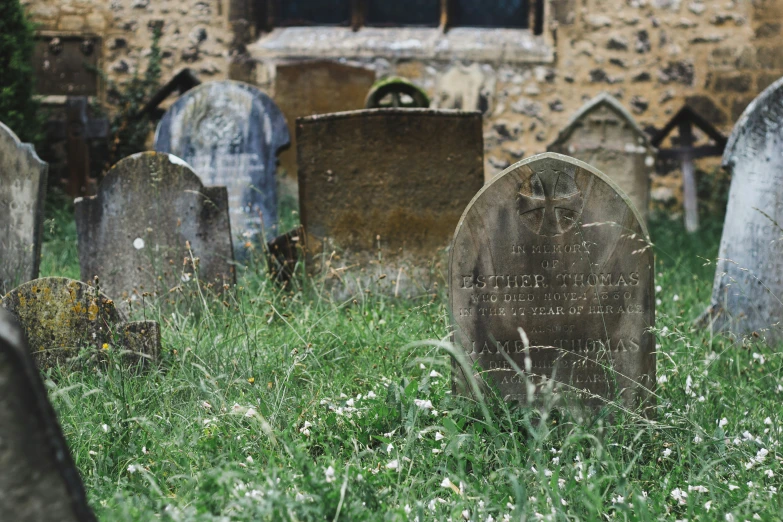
x: 39, y: 480
x: 151, y: 219
x: 384, y: 189
x: 748, y: 287
x: 604, y: 135
x: 22, y: 195
x: 317, y: 87
x: 64, y: 319
x: 230, y: 133
x: 552, y: 247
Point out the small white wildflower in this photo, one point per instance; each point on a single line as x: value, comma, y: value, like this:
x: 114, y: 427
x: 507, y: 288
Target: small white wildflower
x: 251, y: 412
x: 371, y: 394
x: 389, y: 448
x: 435, y: 374
x: 446, y: 483
x: 133, y: 468
x: 697, y: 440
x: 618, y: 499
x: 185, y: 277
x: 423, y: 404
x: 249, y: 459
x: 343, y: 396
x: 422, y: 367
x: 466, y: 514
x: 675, y: 298
x: 663, y: 379
x: 769, y: 473
x: 206, y: 405
x: 105, y: 428
x: 667, y: 452
x: 728, y: 517
x: 329, y: 473
x: 708, y: 505
x: 768, y: 421
x: 723, y: 422
x: 556, y: 460
x: 658, y: 302
x: 144, y: 449
x: 658, y: 288
x: 435, y: 451
x: 732, y: 487
x: 408, y: 509
x: 138, y: 243
x: 698, y: 489
x: 439, y: 436
x: 680, y: 496
x: 394, y: 464
x: 349, y: 403
x: 547, y: 473
x: 750, y: 484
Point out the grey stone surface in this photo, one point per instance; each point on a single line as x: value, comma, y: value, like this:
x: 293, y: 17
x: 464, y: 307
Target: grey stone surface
x: 230, y: 133
x: 22, y: 194
x: 151, y: 219
x: 551, y: 246
x: 748, y: 285
x: 380, y: 192
x: 39, y: 481
x: 62, y: 318
x: 603, y: 134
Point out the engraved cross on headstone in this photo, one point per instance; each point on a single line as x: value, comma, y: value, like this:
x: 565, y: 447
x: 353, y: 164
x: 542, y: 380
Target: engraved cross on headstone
x: 553, y: 204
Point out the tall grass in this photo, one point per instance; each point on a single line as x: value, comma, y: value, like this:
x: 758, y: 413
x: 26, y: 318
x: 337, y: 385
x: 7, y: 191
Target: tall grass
x: 286, y: 405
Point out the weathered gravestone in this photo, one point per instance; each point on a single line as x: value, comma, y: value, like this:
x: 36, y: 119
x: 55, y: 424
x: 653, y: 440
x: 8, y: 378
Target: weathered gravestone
x: 22, y: 194
x: 305, y: 88
x: 384, y: 189
x: 607, y: 137
x: 230, y: 133
x: 62, y: 318
x: 748, y: 287
x: 552, y: 246
x: 39, y: 480
x: 149, y: 223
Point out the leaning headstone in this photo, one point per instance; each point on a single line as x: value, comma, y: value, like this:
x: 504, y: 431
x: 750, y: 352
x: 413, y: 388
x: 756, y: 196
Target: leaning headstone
x: 551, y: 246
x: 64, y: 319
x: 380, y: 192
x: 154, y: 229
x: 230, y: 133
x: 748, y: 287
x: 604, y: 135
x: 39, y: 480
x: 22, y: 194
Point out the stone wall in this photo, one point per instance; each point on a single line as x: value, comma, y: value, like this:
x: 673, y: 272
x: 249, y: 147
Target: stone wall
x: 653, y: 55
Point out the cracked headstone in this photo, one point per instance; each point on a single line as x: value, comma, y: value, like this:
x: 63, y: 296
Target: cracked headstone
x: 230, y: 133
x: 550, y: 247
x: 603, y: 134
x: 22, y: 195
x: 39, y: 480
x: 65, y: 320
x: 380, y: 192
x: 748, y: 286
x: 154, y: 229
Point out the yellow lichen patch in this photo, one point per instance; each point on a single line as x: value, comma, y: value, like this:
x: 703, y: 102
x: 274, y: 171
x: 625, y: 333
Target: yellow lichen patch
x: 92, y: 311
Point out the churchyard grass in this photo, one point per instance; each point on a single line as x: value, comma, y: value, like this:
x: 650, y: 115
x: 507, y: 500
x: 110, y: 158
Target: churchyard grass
x: 285, y: 405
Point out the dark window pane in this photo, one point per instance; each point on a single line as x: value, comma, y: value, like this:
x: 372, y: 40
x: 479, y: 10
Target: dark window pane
x: 403, y: 12
x: 498, y: 13
x: 314, y: 12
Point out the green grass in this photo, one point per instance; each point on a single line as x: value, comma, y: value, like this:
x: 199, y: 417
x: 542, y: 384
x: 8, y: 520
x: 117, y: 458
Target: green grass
x: 288, y: 406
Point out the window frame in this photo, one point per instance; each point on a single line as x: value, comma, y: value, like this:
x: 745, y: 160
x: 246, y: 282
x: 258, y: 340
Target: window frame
x: 266, y: 19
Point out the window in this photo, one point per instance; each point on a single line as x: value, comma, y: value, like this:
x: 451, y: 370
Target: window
x: 514, y: 14
x: 403, y: 12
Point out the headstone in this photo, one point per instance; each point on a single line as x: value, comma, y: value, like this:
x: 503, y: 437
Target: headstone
x: 748, y: 288
x: 305, y: 88
x: 22, y: 195
x: 552, y: 246
x: 66, y: 64
x: 150, y: 220
x: 62, y: 318
x: 230, y: 133
x: 607, y: 137
x: 283, y: 254
x: 39, y: 480
x: 383, y: 189
x: 396, y: 92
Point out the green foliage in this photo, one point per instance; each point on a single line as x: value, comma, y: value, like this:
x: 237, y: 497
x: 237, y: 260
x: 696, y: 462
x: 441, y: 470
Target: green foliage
x: 19, y: 111
x: 283, y: 405
x: 129, y: 129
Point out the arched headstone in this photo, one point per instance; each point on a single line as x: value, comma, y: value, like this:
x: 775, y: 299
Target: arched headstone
x: 149, y: 221
x: 553, y: 247
x: 748, y: 287
x: 230, y: 133
x: 61, y: 317
x: 22, y: 194
x: 39, y: 480
x: 603, y: 134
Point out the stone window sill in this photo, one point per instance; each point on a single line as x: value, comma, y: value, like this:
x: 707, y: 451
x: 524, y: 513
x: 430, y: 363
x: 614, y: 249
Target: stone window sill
x: 461, y: 43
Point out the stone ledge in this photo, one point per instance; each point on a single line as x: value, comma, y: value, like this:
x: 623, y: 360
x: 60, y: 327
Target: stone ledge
x: 463, y: 43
